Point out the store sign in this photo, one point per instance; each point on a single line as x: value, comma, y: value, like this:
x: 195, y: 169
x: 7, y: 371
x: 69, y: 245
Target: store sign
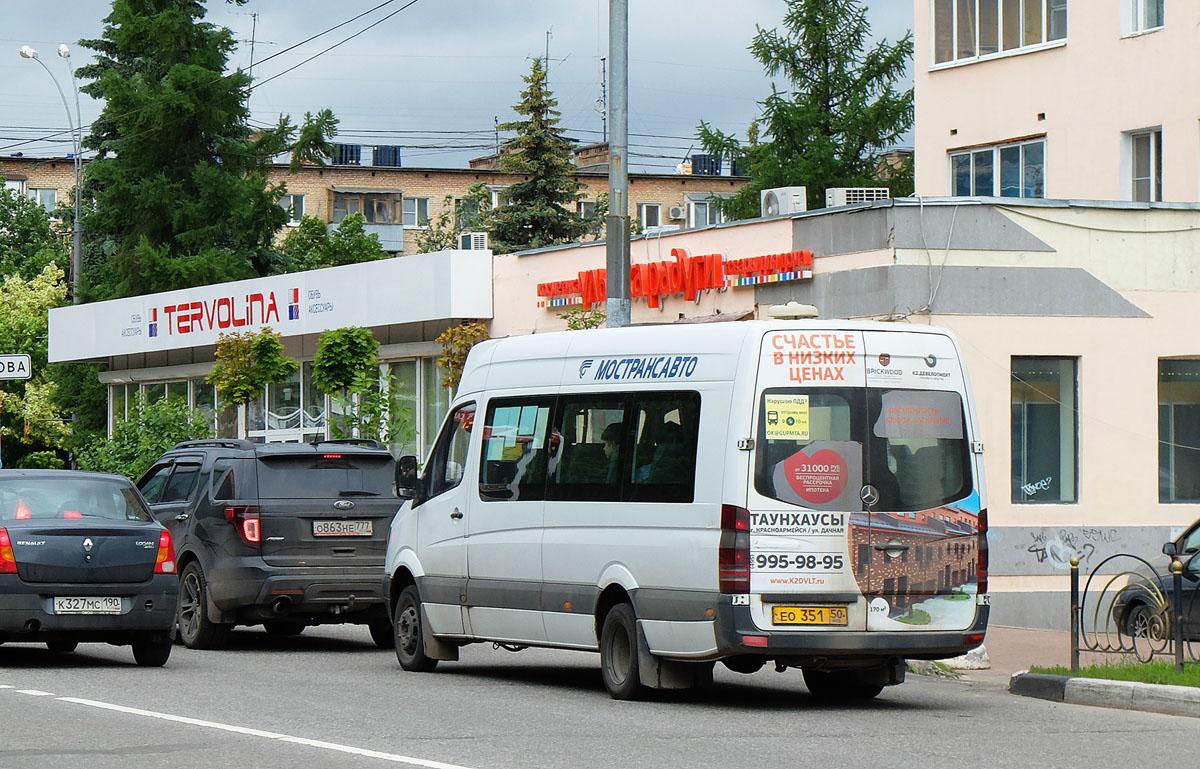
x: 684, y: 274
x: 225, y: 313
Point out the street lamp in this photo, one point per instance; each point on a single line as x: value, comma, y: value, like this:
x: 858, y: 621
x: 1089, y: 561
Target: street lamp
x: 76, y: 139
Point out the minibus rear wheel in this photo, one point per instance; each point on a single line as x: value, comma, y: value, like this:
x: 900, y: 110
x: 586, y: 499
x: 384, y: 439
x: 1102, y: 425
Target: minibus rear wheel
x: 842, y: 685
x: 619, y: 654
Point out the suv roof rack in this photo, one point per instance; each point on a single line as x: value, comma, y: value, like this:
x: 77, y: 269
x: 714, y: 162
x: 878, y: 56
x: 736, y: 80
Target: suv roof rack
x: 224, y: 443
x: 369, y: 443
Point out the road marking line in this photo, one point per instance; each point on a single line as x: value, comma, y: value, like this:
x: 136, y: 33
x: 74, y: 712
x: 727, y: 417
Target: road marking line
x: 7, y: 686
x: 394, y: 758
x: 35, y: 692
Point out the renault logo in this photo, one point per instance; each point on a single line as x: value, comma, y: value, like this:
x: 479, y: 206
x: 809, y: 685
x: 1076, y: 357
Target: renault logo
x: 88, y: 545
x: 343, y: 504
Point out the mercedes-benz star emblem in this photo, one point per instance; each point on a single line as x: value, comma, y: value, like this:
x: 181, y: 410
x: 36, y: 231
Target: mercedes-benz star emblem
x: 88, y: 545
x: 869, y: 495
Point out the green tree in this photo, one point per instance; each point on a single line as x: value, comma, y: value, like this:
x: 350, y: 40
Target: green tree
x: 464, y: 215
x: 456, y: 343
x: 247, y: 363
x: 179, y: 190
x: 841, y: 106
x: 138, y: 440
x: 312, y: 245
x: 538, y: 211
x: 28, y: 413
x: 343, y: 354
x: 28, y: 240
x: 372, y: 406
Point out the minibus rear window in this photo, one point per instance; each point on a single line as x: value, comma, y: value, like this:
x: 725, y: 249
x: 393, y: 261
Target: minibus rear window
x: 818, y: 446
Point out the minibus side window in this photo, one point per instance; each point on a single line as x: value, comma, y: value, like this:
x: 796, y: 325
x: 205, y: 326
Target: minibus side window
x: 664, y: 447
x: 587, y: 448
x: 449, y: 458
x: 515, y: 454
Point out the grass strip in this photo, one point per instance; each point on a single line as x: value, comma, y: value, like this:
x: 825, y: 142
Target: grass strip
x: 1147, y: 673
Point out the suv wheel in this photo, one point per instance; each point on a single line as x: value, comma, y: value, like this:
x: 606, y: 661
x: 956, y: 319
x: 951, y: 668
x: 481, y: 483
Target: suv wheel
x: 410, y: 641
x: 196, y: 630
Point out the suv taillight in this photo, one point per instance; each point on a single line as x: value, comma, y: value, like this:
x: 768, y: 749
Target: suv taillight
x: 981, y: 561
x: 733, y: 558
x: 245, y: 520
x: 164, y: 563
x: 8, y: 561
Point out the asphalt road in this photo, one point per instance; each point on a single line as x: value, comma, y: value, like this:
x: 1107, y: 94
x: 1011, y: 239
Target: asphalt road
x: 328, y: 698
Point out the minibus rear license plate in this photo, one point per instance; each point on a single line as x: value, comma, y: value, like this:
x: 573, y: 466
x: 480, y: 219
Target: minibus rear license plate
x: 808, y: 615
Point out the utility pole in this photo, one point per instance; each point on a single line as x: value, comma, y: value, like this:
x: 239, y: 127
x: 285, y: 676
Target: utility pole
x: 617, y: 307
x: 603, y: 101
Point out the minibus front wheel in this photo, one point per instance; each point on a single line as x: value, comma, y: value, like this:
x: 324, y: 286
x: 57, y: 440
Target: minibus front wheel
x: 619, y: 654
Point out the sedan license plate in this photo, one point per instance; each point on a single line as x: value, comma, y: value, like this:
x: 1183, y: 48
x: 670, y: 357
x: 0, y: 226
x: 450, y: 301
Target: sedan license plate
x: 343, y: 528
x: 87, y: 605
x: 808, y: 615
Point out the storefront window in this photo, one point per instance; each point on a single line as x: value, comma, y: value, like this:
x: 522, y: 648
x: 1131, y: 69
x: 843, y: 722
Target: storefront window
x: 1045, y: 427
x: 153, y: 393
x: 117, y: 402
x: 437, y: 401
x: 314, y: 403
x: 177, y: 391
x: 404, y: 382
x: 1179, y: 431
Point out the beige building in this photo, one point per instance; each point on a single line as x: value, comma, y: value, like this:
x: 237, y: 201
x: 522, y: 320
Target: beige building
x: 1049, y: 99
x: 398, y: 202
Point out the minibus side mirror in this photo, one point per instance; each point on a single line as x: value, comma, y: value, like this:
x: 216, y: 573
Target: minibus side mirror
x: 406, y: 477
x: 1169, y: 549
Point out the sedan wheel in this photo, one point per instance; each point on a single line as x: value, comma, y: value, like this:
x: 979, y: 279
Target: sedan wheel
x: 152, y: 652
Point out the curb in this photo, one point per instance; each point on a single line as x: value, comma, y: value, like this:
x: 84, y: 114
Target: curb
x: 1123, y: 695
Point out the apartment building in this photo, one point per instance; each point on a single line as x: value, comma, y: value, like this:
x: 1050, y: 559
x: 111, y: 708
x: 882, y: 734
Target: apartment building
x: 1049, y: 99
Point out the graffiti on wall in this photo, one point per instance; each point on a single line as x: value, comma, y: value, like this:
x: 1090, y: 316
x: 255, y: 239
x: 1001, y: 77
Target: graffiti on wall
x: 1056, y: 548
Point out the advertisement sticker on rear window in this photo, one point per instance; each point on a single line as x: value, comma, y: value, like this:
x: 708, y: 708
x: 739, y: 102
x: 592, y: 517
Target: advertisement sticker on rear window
x: 787, y: 417
x: 920, y: 414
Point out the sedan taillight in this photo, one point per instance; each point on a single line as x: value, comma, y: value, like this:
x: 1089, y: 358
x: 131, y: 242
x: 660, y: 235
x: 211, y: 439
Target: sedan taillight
x: 8, y: 561
x: 245, y: 519
x: 164, y: 563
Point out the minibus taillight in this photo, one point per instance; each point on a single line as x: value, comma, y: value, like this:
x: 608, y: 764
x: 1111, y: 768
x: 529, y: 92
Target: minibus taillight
x: 733, y: 559
x: 981, y: 563
x: 245, y: 520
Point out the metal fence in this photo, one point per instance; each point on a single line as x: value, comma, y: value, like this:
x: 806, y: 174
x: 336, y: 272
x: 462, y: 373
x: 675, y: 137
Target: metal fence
x: 1128, y: 607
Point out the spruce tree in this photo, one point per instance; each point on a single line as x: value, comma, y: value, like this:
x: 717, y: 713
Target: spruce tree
x: 179, y: 186
x: 538, y: 211
x: 841, y: 108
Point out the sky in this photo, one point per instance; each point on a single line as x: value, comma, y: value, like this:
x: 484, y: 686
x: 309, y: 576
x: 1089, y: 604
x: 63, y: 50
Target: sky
x: 437, y: 75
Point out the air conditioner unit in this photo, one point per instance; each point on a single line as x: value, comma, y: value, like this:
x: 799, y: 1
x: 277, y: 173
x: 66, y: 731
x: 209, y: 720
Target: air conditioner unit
x: 675, y: 212
x: 473, y: 241
x: 848, y: 196
x: 779, y: 201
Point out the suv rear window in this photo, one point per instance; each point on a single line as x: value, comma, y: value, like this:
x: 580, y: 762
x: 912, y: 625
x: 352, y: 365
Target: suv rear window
x: 317, y: 476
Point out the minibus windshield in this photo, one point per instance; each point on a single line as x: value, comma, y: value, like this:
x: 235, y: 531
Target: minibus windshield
x: 818, y: 447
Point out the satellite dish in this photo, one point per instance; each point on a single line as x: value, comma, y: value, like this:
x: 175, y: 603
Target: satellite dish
x: 771, y: 204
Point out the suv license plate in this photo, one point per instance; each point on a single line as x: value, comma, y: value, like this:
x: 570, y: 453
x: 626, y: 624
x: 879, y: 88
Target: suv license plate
x: 808, y: 615
x: 342, y: 529
x: 82, y: 605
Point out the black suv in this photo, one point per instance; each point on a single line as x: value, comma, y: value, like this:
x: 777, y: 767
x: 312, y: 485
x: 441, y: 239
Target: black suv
x: 283, y: 534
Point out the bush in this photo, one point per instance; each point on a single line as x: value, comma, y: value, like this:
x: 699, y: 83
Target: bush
x: 41, y: 460
x: 142, y: 438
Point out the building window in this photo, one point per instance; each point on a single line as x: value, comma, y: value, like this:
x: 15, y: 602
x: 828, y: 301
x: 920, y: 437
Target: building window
x: 376, y: 207
x: 416, y: 212
x: 964, y: 30
x: 1142, y: 16
x: 1146, y: 165
x: 45, y: 197
x: 701, y: 213
x: 294, y: 205
x: 1179, y: 430
x: 648, y: 214
x: 586, y: 209
x: 1045, y: 427
x: 1022, y: 171
x: 16, y: 185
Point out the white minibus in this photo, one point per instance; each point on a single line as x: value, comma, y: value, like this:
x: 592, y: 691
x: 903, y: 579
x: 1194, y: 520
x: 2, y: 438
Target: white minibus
x: 805, y: 493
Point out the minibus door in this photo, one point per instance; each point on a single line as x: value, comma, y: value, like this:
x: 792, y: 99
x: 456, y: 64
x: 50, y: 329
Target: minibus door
x: 919, y: 498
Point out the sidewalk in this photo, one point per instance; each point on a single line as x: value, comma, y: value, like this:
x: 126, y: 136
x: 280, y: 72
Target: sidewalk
x: 1012, y: 650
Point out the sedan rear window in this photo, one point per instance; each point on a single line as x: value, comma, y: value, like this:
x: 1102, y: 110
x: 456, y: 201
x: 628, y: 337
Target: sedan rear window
x: 321, y: 477
x: 66, y: 497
